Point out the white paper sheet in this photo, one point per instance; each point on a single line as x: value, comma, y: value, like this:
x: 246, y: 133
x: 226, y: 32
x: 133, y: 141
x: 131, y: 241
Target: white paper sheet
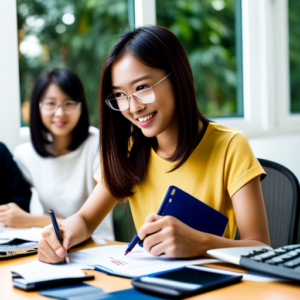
x: 137, y: 263
x: 38, y: 271
x: 233, y: 255
x: 98, y: 240
x: 31, y: 234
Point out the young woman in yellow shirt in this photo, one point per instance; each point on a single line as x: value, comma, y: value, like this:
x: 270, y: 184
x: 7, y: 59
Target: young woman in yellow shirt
x: 153, y: 135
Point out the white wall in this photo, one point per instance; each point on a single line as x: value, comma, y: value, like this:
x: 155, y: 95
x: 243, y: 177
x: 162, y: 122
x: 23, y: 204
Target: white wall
x: 283, y: 149
x: 9, y: 79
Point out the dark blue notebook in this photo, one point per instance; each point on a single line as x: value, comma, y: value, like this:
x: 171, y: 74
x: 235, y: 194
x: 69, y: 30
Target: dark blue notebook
x: 192, y: 212
x: 74, y: 292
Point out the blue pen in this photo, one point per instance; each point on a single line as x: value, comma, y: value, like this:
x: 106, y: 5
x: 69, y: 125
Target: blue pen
x: 133, y: 242
x: 136, y: 238
x: 160, y: 212
x: 56, y: 229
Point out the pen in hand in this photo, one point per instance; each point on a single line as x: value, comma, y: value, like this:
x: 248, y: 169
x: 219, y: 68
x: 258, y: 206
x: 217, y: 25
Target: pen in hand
x: 133, y: 242
x: 56, y: 229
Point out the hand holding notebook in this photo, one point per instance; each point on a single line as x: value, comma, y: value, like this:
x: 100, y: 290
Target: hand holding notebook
x: 189, y: 211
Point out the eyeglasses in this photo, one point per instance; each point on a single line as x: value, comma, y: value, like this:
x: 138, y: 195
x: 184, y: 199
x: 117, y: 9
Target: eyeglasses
x: 145, y: 96
x: 50, y: 106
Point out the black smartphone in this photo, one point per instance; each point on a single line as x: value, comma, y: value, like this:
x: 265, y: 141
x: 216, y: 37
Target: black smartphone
x: 183, y: 282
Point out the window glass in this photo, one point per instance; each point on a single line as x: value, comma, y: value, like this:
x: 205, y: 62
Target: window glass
x: 294, y: 43
x: 76, y: 34
x: 210, y: 32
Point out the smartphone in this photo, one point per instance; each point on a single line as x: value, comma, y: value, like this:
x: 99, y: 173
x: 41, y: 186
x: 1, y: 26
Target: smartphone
x: 183, y: 282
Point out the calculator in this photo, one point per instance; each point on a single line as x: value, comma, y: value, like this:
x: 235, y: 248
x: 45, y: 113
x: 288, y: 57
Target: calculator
x: 18, y: 247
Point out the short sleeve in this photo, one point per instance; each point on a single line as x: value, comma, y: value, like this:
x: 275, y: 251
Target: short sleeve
x: 95, y: 154
x: 97, y: 175
x: 22, y: 159
x: 93, y: 141
x: 241, y: 165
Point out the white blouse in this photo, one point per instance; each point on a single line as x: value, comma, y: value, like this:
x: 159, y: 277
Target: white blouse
x: 64, y: 183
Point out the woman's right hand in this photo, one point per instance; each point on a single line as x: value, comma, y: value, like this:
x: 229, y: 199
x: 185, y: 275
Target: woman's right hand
x: 50, y: 250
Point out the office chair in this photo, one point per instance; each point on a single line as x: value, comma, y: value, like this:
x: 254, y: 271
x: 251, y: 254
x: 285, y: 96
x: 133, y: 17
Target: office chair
x: 281, y: 193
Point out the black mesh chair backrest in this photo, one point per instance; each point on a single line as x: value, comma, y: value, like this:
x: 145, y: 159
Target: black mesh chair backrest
x: 281, y: 196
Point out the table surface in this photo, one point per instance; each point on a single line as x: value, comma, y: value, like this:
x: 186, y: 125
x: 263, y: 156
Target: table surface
x: 245, y: 289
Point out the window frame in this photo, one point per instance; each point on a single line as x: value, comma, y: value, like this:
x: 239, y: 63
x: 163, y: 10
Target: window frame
x: 286, y: 119
x: 252, y: 120
x: 256, y: 93
x: 266, y: 71
x: 10, y: 121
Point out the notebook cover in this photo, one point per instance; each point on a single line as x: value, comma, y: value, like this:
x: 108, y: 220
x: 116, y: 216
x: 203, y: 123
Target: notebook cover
x: 131, y: 294
x: 73, y: 292
x: 192, y: 212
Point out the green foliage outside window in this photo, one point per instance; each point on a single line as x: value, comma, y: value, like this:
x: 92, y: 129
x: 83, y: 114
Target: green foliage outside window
x: 294, y: 43
x: 81, y: 45
x: 206, y: 29
x: 78, y: 34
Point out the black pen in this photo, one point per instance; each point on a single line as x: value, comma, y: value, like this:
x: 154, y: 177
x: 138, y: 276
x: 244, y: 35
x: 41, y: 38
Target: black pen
x: 56, y: 229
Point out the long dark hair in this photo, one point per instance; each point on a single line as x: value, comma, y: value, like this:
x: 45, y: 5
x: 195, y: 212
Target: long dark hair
x: 122, y: 169
x: 71, y: 85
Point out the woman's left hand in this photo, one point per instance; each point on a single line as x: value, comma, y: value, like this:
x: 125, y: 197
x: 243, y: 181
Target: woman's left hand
x: 13, y: 216
x: 168, y: 235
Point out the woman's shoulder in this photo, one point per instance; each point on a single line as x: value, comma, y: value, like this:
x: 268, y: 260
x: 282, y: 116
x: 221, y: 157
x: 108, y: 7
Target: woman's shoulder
x: 27, y: 147
x: 93, y: 137
x: 91, y: 143
x: 24, y: 150
x: 93, y: 131
x: 223, y: 137
x: 222, y: 129
x: 224, y: 133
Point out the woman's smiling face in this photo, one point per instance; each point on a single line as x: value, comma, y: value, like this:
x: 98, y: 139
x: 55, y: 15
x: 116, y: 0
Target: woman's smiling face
x: 58, y: 122
x: 130, y: 76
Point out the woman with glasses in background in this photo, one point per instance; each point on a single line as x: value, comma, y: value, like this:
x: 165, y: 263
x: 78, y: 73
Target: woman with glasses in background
x: 63, y: 154
x: 152, y: 135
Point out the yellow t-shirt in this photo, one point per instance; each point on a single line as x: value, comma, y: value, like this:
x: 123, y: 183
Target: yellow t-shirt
x: 220, y: 165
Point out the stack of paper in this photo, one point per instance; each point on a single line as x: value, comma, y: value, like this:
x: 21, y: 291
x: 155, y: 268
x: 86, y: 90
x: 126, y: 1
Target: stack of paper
x: 37, y: 274
x: 37, y: 271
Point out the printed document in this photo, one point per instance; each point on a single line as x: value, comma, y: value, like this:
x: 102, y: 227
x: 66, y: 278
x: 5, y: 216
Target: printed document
x: 111, y: 259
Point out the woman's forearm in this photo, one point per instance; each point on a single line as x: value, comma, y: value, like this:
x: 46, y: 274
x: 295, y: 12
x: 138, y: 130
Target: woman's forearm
x: 75, y: 224
x: 78, y: 227
x: 38, y: 220
x: 209, y: 241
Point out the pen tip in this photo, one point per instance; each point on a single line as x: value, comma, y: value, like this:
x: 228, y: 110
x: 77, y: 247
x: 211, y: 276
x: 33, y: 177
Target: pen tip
x: 67, y: 259
x: 126, y: 252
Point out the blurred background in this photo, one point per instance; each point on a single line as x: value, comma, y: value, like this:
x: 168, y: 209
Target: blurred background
x: 244, y: 55
x: 78, y: 34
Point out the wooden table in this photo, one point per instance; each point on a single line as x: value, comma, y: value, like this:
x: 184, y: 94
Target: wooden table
x: 244, y: 290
